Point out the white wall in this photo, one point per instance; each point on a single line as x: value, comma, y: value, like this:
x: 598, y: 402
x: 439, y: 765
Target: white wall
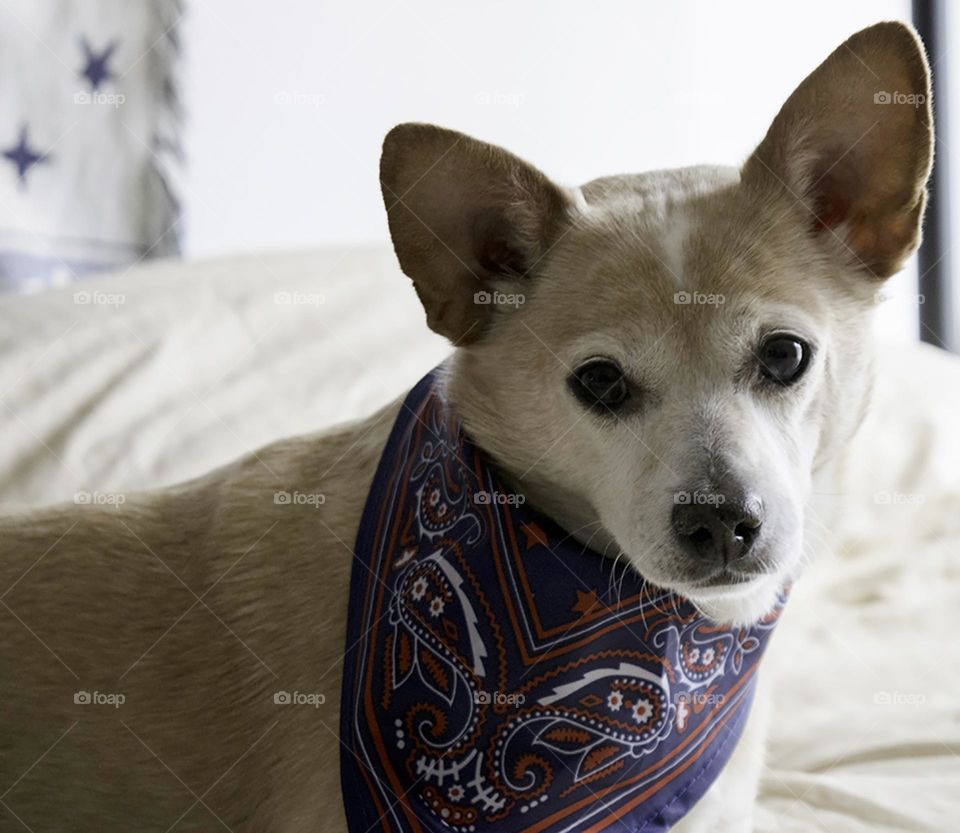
x: 288, y: 101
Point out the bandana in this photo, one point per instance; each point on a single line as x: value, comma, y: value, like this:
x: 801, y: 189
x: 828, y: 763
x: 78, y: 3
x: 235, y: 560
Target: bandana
x: 498, y: 678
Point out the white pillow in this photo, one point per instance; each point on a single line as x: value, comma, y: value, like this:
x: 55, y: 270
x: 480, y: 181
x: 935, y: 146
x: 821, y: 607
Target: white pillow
x: 88, y: 137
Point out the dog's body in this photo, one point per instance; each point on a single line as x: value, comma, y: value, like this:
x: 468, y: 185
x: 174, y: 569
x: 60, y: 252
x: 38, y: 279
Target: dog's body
x: 200, y: 602
x: 199, y: 690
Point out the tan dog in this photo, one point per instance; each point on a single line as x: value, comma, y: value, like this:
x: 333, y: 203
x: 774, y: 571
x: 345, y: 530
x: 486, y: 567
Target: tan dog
x: 689, y: 348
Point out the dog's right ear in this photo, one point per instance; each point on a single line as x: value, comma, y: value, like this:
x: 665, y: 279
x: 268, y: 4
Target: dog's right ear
x: 463, y: 215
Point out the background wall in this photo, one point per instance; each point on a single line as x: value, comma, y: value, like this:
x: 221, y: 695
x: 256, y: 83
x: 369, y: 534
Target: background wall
x: 287, y: 109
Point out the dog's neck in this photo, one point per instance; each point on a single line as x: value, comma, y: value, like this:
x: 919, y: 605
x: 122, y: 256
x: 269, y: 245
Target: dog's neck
x: 567, y: 510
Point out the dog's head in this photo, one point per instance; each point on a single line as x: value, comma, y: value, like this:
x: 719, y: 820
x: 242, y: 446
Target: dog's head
x: 661, y: 361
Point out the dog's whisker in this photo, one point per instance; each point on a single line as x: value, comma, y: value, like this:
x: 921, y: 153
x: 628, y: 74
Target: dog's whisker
x: 675, y: 604
x: 623, y: 576
x: 612, y: 581
x: 612, y: 584
x: 573, y: 533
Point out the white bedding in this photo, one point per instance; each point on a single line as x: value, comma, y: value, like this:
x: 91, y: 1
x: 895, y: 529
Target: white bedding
x: 177, y: 368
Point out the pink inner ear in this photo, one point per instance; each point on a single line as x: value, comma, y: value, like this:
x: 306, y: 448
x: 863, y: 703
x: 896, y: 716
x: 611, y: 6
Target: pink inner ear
x: 831, y: 210
x: 498, y: 254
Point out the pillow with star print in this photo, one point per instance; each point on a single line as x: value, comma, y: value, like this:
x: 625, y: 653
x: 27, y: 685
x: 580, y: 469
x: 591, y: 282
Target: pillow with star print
x: 89, y: 139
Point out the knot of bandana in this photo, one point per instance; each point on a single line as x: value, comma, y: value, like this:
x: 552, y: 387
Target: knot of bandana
x: 497, y: 678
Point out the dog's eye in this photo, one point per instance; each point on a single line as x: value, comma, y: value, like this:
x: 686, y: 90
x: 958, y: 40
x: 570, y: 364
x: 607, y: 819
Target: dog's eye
x: 783, y: 358
x: 600, y: 384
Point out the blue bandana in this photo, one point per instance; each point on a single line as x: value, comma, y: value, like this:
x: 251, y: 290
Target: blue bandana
x: 494, y: 677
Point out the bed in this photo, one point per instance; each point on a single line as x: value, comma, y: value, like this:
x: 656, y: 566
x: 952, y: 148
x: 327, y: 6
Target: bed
x: 150, y: 376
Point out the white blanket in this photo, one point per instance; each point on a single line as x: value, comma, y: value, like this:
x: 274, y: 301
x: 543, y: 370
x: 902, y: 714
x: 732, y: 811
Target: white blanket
x: 177, y: 368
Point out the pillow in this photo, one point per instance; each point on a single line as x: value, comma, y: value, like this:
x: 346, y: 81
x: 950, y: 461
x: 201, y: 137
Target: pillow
x: 88, y: 137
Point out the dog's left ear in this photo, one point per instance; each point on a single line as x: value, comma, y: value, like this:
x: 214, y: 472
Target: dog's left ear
x: 854, y: 145
x: 464, y: 214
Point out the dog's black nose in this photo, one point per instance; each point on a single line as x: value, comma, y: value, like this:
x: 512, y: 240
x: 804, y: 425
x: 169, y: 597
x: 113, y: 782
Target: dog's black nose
x: 717, y: 525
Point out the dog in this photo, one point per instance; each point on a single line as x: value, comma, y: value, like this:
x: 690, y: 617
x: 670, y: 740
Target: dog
x: 701, y: 332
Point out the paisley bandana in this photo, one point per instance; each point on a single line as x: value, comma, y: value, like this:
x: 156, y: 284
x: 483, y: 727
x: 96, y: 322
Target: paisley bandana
x: 497, y: 677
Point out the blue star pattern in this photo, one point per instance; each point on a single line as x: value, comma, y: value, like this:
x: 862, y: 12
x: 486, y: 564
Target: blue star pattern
x: 87, y: 182
x: 96, y: 70
x: 23, y: 156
